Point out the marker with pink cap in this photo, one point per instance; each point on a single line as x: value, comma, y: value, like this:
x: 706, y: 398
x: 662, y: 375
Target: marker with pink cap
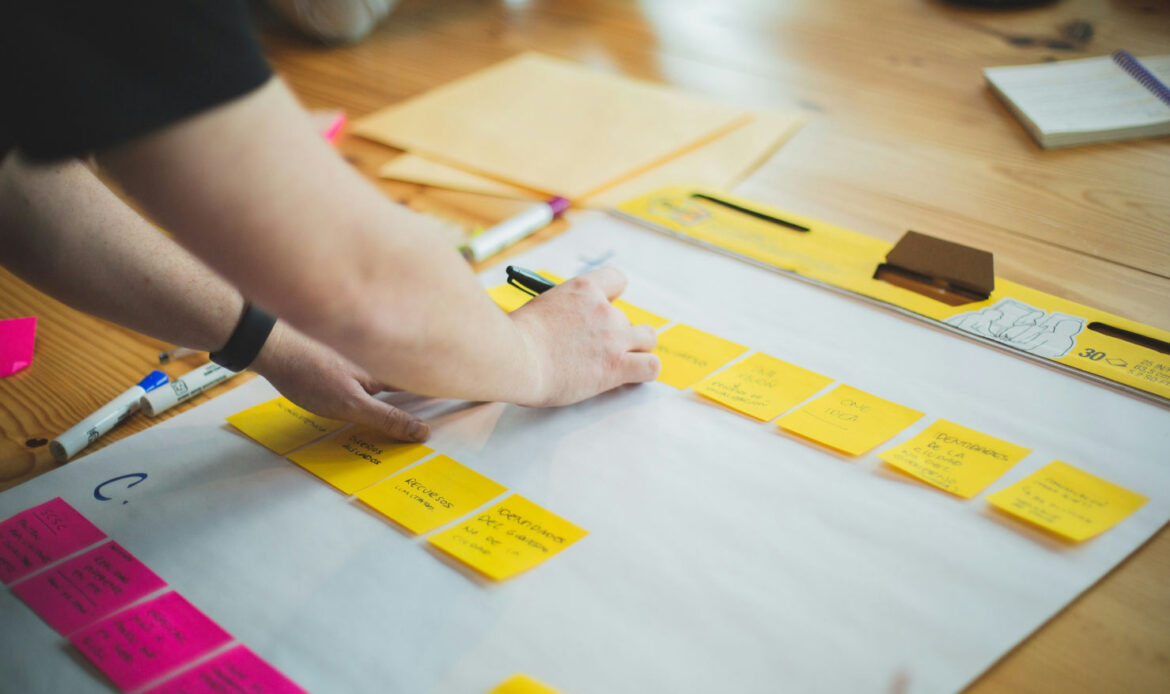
x: 514, y: 229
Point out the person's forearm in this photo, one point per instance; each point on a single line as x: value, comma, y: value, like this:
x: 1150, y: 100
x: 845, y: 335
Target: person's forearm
x: 65, y: 232
x: 254, y: 192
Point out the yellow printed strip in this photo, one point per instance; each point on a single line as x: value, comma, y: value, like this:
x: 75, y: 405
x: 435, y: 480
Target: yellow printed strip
x: 1020, y: 317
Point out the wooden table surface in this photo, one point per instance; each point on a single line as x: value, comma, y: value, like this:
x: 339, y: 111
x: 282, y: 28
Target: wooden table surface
x: 902, y: 134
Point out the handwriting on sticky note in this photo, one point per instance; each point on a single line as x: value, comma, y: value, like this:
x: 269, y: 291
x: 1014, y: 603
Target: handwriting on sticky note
x: 640, y: 316
x: 358, y: 457
x: 1067, y: 501
x: 523, y: 684
x: 431, y: 493
x: 281, y: 426
x: 148, y: 640
x: 508, y: 538
x: 689, y: 354
x: 82, y: 590
x: 237, y: 669
x: 959, y: 460
x: 849, y: 420
x: 762, y: 386
x: 41, y: 535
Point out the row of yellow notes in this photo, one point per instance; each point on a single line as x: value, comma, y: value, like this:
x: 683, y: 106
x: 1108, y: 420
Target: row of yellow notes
x: 763, y: 387
x: 500, y: 542
x: 1060, y: 498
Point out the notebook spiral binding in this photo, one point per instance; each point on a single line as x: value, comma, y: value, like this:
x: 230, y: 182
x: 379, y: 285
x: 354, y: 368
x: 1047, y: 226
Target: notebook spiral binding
x: 1136, y: 70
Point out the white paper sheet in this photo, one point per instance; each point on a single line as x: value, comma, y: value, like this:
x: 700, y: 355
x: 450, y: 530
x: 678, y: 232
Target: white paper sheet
x: 723, y: 555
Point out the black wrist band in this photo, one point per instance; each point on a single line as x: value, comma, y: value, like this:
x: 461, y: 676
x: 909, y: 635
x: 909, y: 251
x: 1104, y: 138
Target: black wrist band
x: 247, y: 340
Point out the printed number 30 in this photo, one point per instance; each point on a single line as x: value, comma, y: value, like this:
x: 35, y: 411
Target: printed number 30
x: 1092, y: 354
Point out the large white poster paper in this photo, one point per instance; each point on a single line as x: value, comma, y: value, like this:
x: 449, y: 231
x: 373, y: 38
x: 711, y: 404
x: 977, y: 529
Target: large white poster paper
x: 723, y: 555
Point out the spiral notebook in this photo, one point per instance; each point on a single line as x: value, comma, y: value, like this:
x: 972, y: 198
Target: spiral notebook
x: 1076, y: 102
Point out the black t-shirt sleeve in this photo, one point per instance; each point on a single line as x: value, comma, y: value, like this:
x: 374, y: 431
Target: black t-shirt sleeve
x: 82, y: 75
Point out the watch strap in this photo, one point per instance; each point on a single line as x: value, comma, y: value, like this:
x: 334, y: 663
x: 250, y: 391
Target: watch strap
x: 247, y: 340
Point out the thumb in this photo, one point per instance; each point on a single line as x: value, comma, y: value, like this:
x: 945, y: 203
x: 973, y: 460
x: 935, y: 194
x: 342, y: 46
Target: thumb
x: 396, y: 423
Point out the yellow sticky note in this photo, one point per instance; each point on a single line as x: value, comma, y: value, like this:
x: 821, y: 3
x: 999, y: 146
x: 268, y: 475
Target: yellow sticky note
x: 850, y: 420
x: 689, y: 354
x: 640, y: 316
x: 952, y: 457
x: 1067, y: 501
x: 762, y: 386
x: 523, y: 684
x: 511, y: 298
x: 281, y: 426
x: 430, y: 494
x: 357, y: 457
x: 511, y: 536
x: 508, y: 297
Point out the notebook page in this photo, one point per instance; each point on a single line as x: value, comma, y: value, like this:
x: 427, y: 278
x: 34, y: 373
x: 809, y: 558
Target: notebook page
x: 1088, y: 95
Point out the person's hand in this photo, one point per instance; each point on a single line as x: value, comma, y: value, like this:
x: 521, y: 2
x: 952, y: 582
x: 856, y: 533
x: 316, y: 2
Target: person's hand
x: 324, y: 383
x: 580, y: 344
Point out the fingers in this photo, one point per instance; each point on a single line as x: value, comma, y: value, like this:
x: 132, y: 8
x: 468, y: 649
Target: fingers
x: 396, y: 423
x: 644, y: 339
x: 639, y: 367
x: 611, y: 281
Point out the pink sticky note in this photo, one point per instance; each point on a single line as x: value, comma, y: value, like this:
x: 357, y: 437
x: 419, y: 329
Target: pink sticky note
x: 17, y: 336
x: 234, y: 670
x: 82, y: 590
x: 144, y: 642
x: 40, y: 536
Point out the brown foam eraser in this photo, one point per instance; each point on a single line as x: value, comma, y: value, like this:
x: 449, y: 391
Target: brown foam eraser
x: 946, y: 261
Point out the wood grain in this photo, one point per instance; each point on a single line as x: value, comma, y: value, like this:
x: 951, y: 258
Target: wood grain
x: 902, y: 134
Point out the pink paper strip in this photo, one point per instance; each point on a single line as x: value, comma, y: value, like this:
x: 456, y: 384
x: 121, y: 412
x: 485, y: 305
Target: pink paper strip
x: 141, y: 644
x: 234, y: 670
x: 40, y: 536
x: 82, y: 590
x: 17, y: 339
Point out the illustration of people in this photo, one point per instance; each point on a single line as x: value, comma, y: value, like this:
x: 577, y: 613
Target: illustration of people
x: 1022, y: 326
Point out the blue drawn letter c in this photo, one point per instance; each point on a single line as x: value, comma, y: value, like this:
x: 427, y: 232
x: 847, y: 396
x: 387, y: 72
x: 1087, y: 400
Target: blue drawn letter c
x: 97, y: 492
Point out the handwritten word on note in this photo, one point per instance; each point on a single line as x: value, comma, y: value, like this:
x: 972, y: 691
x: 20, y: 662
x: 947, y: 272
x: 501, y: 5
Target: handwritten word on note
x: 761, y: 386
x: 511, y: 536
x: 959, y: 460
x: 849, y: 420
x: 689, y: 354
x: 523, y: 684
x: 281, y: 426
x: 144, y: 642
x: 431, y: 493
x: 87, y: 587
x: 357, y: 457
x: 41, y: 535
x: 1067, y: 501
x: 237, y: 670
